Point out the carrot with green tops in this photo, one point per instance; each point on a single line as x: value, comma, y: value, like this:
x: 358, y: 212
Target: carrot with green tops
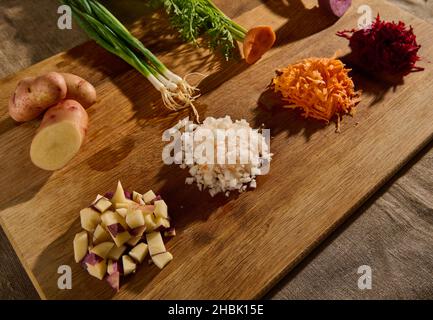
x: 195, y: 18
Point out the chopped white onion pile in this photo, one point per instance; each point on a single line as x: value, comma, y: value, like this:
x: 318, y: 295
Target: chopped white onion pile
x: 226, y: 177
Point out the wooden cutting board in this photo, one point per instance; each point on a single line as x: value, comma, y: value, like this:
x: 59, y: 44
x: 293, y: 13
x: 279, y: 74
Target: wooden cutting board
x: 236, y: 247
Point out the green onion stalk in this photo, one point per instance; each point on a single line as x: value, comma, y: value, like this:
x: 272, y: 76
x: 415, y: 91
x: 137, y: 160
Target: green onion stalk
x: 108, y: 32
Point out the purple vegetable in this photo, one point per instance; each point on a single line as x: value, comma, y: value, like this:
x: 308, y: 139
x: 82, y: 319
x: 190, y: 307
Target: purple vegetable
x: 114, y: 280
x: 336, y: 7
x: 91, y: 259
x: 109, y: 195
x: 115, y: 229
x: 128, y: 195
x: 138, y: 231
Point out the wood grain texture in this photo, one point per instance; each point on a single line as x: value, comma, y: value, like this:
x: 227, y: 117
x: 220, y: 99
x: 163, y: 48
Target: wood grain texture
x: 226, y: 248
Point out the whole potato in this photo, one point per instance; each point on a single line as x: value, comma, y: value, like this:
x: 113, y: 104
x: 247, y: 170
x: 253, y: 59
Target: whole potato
x: 33, y: 95
x: 79, y: 90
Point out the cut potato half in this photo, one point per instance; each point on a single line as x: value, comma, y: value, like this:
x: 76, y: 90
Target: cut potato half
x: 54, y: 146
x: 60, y: 135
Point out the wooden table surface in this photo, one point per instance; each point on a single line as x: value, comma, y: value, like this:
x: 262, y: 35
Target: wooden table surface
x: 28, y: 34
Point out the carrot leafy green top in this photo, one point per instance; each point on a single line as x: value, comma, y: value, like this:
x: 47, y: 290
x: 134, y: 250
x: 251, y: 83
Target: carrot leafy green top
x: 195, y: 18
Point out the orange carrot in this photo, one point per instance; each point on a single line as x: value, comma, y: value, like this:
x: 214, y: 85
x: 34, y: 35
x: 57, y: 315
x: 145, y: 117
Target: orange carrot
x: 257, y: 41
x: 321, y: 87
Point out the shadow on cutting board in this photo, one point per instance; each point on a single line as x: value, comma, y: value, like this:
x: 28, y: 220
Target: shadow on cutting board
x: 17, y: 170
x: 60, y: 252
x: 299, y: 19
x: 370, y: 83
x: 271, y: 113
x: 187, y: 202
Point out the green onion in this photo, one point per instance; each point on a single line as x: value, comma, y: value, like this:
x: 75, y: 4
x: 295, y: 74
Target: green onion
x: 108, y: 32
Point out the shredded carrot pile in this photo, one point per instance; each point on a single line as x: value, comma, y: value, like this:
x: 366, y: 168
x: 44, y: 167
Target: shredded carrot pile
x: 321, y: 87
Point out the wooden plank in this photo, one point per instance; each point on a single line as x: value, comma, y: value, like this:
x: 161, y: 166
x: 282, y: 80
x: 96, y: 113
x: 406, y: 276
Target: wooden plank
x: 226, y: 248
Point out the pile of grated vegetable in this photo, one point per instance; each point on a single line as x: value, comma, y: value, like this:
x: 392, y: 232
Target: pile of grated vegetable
x: 321, y: 87
x: 251, y: 157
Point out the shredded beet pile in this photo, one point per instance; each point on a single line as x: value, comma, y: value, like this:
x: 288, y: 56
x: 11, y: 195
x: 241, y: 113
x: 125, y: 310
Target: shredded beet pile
x: 385, y: 47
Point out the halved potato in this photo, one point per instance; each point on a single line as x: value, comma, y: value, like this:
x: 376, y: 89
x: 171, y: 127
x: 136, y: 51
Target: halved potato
x: 60, y: 135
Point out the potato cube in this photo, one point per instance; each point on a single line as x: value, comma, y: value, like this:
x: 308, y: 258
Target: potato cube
x: 100, y: 235
x: 162, y: 259
x: 122, y: 212
x: 89, y: 219
x: 116, y: 252
x: 119, y: 195
x: 149, y: 196
x: 134, y: 240
x: 155, y: 243
x: 139, y: 252
x: 149, y: 222
x: 98, y: 270
x: 135, y: 219
x: 80, y: 246
x: 102, y: 249
x: 128, y: 264
x: 161, y: 223
x: 102, y: 204
x: 109, y: 218
x: 161, y: 209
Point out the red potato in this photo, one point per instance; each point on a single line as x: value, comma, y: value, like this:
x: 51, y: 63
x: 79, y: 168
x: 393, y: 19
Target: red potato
x: 257, y: 41
x: 34, y: 95
x: 59, y: 136
x: 80, y: 90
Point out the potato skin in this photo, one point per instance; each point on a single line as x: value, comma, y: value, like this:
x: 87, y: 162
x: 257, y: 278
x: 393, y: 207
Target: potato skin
x: 80, y: 90
x: 67, y: 110
x: 33, y: 95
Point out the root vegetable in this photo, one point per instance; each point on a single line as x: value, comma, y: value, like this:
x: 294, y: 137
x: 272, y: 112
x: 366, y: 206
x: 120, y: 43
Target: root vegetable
x: 162, y: 259
x: 60, y: 135
x: 34, y: 95
x: 336, y: 7
x: 80, y: 246
x: 139, y: 252
x: 102, y: 249
x: 79, y: 90
x: 257, y: 41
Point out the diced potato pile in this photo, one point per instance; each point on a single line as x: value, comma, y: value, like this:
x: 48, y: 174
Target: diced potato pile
x: 120, y: 232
